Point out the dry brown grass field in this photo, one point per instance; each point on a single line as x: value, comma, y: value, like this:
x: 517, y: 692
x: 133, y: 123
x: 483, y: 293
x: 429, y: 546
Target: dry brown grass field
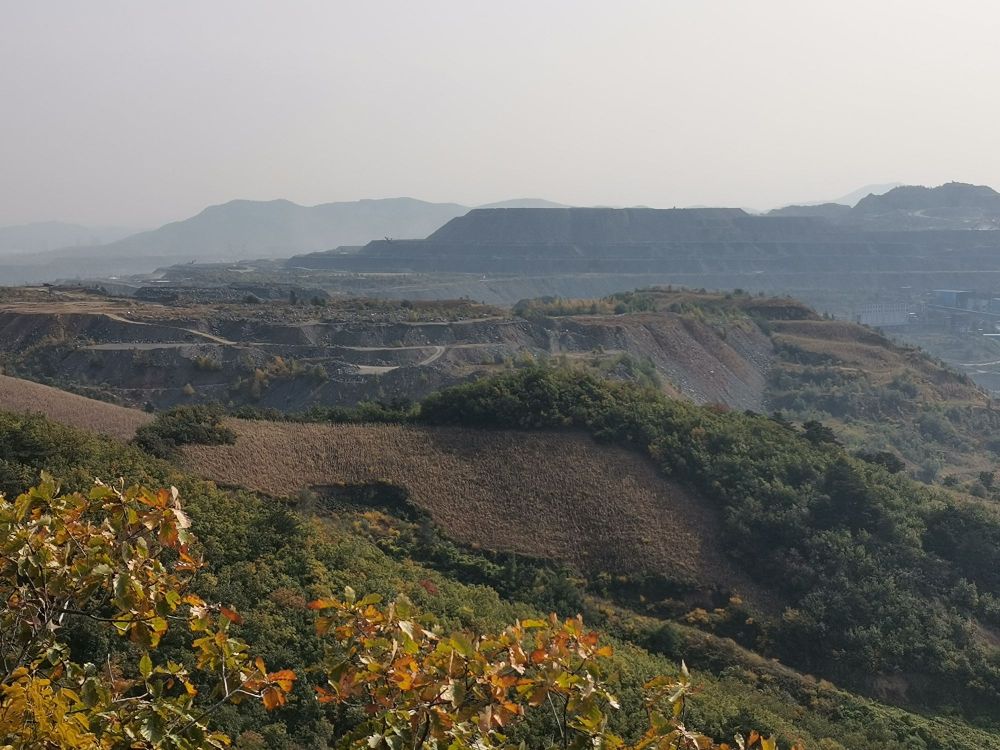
x: 850, y: 346
x: 23, y: 396
x: 553, y: 495
x: 874, y: 359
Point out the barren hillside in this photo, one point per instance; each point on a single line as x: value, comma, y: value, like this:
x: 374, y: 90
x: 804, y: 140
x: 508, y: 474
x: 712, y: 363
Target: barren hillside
x: 293, y: 357
x: 76, y: 411
x: 552, y: 495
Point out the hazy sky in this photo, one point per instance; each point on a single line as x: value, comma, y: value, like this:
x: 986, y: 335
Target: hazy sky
x: 142, y: 112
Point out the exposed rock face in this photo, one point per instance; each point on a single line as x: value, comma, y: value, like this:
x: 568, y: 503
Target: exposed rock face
x: 360, y: 360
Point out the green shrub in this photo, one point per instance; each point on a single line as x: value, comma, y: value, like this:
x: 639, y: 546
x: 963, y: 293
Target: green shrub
x: 199, y: 424
x: 846, y: 543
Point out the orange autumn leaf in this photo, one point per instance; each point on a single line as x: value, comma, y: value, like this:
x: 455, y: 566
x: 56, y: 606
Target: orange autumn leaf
x: 283, y: 678
x: 272, y: 698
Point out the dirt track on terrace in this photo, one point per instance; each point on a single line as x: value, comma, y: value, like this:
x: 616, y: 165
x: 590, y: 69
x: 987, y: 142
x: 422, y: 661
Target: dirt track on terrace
x: 67, y: 408
x: 552, y: 495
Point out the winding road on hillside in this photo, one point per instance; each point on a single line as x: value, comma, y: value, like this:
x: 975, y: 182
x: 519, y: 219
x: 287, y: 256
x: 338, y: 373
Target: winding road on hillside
x: 192, y: 331
x: 437, y: 350
x: 381, y: 369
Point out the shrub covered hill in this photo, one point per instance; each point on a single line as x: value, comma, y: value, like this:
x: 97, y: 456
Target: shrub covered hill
x: 746, y: 352
x: 880, y: 628
x: 817, y: 592
x: 267, y: 559
x: 879, y: 396
x: 877, y: 582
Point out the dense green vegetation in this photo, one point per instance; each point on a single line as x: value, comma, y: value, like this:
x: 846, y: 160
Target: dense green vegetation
x: 119, y: 561
x: 896, y: 413
x: 857, y: 553
x: 619, y: 303
x: 268, y: 561
x: 184, y: 425
x: 879, y: 395
x: 114, y: 561
x: 394, y: 410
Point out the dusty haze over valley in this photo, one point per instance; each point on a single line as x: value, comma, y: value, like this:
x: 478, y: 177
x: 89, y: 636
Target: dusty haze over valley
x: 124, y: 114
x: 555, y: 375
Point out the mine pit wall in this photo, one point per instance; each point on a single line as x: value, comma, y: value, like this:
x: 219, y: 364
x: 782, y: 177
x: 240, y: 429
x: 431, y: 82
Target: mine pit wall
x: 699, y: 360
x: 152, y: 363
x: 19, y: 330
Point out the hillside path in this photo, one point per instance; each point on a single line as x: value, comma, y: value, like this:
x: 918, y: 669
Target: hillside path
x: 193, y: 331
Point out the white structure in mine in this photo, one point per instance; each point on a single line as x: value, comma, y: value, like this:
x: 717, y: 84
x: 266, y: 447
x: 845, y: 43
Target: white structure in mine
x: 883, y: 314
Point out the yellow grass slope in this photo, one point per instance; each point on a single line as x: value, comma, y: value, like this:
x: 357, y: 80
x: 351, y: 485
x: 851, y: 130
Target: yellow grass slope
x: 24, y: 396
x: 552, y: 495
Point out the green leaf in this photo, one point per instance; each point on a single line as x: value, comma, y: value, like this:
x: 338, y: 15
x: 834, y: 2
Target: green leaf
x: 404, y: 607
x: 152, y: 729
x: 89, y: 693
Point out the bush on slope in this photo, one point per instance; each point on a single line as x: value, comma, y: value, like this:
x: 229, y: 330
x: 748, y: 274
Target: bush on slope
x: 858, y: 552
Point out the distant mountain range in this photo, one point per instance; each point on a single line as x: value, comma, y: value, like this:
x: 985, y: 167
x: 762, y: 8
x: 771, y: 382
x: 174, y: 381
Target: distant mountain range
x: 50, y: 235
x: 243, y: 229
x: 249, y: 229
x: 831, y: 246
x: 525, y: 203
x: 855, y: 196
x: 235, y: 230
x: 954, y: 205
